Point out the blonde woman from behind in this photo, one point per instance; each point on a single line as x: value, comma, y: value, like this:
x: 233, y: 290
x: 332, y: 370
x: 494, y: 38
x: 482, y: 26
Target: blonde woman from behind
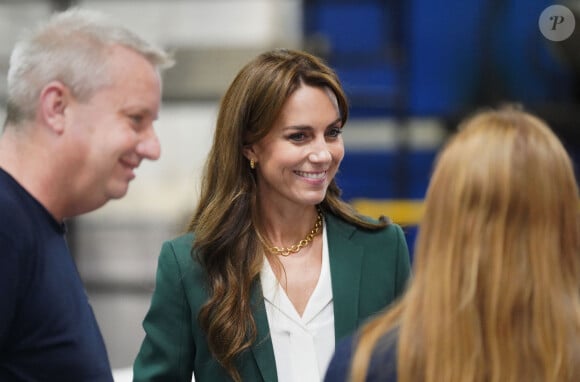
x: 495, y: 293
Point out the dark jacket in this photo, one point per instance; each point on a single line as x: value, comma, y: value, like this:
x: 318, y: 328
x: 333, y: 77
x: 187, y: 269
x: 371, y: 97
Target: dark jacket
x: 369, y: 269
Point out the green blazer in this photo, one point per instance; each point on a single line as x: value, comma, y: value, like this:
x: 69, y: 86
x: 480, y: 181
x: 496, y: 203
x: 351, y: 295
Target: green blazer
x: 368, y: 270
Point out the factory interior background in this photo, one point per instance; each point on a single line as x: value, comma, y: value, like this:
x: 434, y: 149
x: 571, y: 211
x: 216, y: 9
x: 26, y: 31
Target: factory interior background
x: 411, y: 69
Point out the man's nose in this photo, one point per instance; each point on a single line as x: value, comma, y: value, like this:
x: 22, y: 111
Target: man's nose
x: 149, y: 147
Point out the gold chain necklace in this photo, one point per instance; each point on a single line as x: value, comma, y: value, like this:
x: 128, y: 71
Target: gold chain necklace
x: 287, y: 251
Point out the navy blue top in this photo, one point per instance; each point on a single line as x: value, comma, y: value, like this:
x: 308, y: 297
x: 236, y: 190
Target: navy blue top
x: 383, y: 365
x: 48, y: 331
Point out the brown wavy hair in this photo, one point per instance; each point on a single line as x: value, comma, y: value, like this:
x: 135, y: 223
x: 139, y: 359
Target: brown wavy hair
x: 496, y: 289
x: 225, y: 222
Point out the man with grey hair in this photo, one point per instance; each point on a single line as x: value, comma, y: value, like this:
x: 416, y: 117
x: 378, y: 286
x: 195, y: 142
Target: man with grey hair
x: 82, y: 97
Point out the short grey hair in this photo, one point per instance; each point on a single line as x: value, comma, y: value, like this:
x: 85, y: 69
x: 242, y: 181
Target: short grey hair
x: 71, y: 47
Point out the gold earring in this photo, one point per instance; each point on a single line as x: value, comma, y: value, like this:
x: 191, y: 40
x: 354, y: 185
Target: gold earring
x: 252, y: 164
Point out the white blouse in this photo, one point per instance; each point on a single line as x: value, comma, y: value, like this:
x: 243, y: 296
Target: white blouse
x: 303, y: 345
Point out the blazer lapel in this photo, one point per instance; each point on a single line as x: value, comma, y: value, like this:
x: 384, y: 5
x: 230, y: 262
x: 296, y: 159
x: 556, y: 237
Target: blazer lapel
x: 345, y: 269
x: 262, y: 348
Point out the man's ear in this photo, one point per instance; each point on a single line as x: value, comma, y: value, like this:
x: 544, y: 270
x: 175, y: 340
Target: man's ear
x: 54, y: 99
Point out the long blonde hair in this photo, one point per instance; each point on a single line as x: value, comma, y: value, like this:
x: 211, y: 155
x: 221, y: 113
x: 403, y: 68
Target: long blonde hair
x: 496, y: 289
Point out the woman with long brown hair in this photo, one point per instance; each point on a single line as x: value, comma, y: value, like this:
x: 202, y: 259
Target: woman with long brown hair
x: 276, y: 267
x: 495, y: 295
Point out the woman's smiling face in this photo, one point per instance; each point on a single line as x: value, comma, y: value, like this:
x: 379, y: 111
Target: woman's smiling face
x: 299, y: 157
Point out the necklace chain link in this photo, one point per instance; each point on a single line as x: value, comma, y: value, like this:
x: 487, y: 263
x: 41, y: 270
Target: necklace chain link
x: 287, y: 251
